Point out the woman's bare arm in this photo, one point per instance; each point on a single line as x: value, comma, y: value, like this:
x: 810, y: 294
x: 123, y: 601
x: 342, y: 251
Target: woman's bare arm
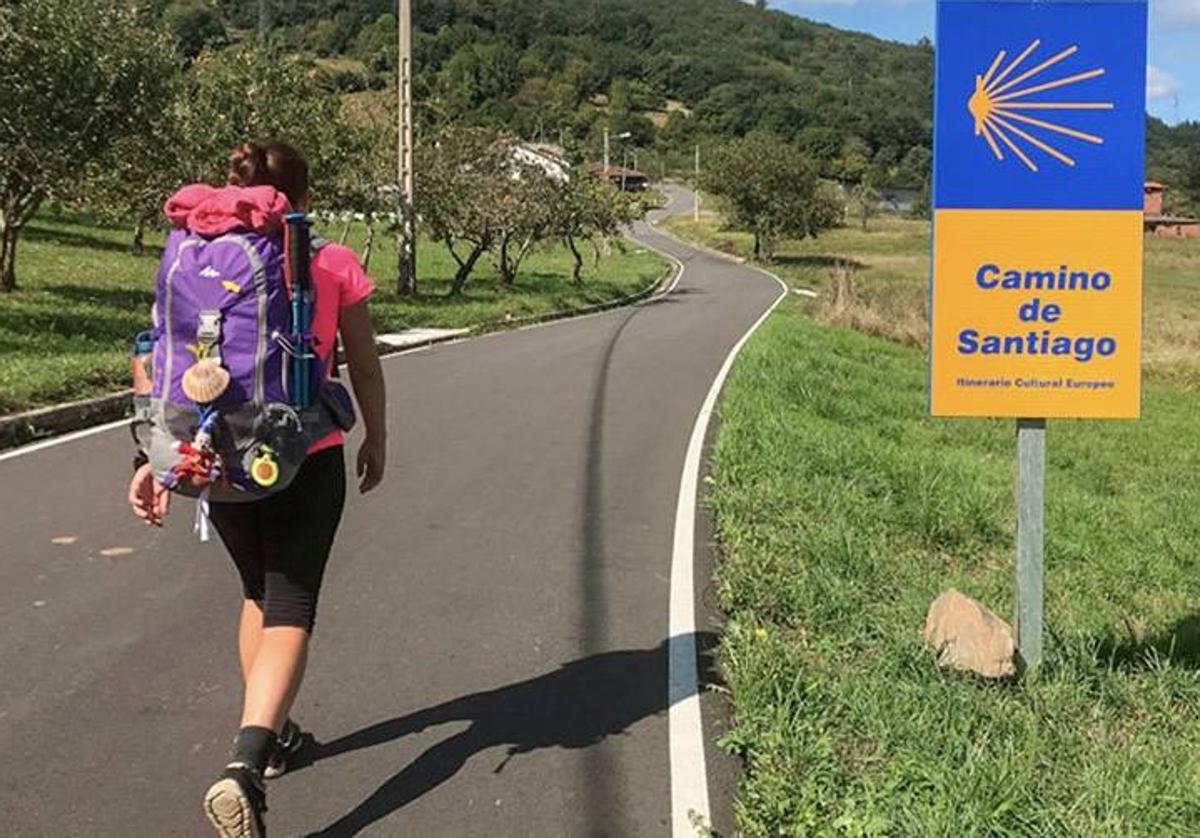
x: 366, y: 375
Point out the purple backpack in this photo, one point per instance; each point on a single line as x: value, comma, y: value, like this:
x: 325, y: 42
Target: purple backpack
x: 221, y: 421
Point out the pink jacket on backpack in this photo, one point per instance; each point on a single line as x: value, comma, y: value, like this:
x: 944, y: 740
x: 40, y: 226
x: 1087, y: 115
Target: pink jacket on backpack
x: 216, y: 210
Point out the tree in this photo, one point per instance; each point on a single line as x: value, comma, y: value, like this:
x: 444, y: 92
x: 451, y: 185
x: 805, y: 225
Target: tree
x: 855, y: 160
x: 130, y: 183
x: 196, y: 26
x: 587, y: 209
x: 1191, y: 170
x: 524, y: 216
x: 221, y: 102
x: 77, y: 77
x: 460, y: 186
x: 864, y: 202
x: 828, y: 209
x: 916, y: 166
x: 923, y: 203
x: 771, y: 189
x: 252, y: 93
x: 364, y: 181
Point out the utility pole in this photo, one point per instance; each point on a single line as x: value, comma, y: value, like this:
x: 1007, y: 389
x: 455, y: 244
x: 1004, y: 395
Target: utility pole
x: 696, y: 189
x: 606, y: 151
x: 406, y: 243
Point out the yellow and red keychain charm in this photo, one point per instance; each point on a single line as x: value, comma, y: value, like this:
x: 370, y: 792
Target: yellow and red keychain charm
x: 264, y: 470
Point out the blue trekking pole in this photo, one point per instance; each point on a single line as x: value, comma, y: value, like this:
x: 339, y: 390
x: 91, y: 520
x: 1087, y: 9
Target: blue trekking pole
x: 298, y: 247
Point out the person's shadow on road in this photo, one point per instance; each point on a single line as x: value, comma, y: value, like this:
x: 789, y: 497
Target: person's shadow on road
x: 575, y: 706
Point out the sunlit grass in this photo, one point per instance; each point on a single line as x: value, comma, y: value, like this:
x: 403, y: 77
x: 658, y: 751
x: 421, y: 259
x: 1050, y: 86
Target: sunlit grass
x: 889, y: 267
x: 65, y: 335
x: 843, y: 510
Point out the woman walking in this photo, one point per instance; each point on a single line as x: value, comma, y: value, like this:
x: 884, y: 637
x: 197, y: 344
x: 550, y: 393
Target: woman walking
x: 281, y: 543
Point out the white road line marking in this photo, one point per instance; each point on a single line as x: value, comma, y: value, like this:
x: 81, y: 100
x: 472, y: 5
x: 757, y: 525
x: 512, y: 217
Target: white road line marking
x: 689, y: 772
x: 61, y: 440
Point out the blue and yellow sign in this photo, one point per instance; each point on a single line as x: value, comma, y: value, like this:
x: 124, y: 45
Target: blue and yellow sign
x: 1039, y: 153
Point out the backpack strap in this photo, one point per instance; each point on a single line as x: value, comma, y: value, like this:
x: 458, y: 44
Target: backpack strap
x: 315, y: 244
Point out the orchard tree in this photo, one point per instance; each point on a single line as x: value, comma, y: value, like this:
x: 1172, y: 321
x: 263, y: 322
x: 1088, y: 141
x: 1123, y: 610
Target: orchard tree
x: 462, y: 178
x: 130, y: 183
x: 771, y: 189
x: 525, y: 216
x: 590, y: 209
x: 253, y: 93
x: 223, y: 100
x: 864, y: 202
x: 77, y: 78
x: 827, y: 210
x: 362, y: 184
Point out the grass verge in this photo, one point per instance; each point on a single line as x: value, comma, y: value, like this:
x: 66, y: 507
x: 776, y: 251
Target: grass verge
x: 878, y: 283
x: 83, y: 297
x: 843, y: 511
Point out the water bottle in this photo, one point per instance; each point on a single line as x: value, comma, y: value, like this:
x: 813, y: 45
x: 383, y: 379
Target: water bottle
x: 139, y: 364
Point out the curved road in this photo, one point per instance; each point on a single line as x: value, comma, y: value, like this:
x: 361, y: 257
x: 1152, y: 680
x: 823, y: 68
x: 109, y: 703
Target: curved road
x: 491, y: 652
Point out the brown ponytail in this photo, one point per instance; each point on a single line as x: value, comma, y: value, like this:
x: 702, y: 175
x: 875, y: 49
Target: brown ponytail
x: 271, y: 164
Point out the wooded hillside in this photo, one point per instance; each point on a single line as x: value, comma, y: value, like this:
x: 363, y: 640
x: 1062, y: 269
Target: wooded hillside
x: 670, y: 72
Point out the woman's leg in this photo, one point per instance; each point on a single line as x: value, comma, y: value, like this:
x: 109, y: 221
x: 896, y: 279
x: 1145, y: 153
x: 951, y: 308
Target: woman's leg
x: 274, y: 677
x: 250, y: 629
x: 235, y: 802
x: 242, y: 529
x: 299, y: 533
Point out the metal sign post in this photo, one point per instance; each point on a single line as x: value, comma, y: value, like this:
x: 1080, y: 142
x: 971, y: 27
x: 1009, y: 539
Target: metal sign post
x: 1036, y: 295
x: 1031, y: 530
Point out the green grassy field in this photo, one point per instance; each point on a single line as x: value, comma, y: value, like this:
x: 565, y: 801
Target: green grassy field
x: 843, y: 511
x: 883, y: 279
x: 83, y: 297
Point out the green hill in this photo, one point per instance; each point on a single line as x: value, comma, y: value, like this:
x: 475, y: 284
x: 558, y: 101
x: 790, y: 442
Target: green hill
x: 670, y: 72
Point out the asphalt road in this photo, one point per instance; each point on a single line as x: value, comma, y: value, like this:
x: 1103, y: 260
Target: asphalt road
x: 490, y: 653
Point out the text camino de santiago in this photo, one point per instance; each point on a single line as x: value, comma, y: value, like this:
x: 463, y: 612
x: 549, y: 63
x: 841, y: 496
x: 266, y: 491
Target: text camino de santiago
x: 1043, y: 341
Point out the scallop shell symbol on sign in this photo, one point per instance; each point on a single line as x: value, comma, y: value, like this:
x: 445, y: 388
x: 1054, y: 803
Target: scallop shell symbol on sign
x: 1002, y: 99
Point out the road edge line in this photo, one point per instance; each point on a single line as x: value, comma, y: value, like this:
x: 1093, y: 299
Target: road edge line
x: 688, y: 764
x: 34, y: 447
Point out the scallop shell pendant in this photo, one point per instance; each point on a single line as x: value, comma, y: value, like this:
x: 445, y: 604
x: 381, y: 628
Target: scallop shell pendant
x: 205, y: 381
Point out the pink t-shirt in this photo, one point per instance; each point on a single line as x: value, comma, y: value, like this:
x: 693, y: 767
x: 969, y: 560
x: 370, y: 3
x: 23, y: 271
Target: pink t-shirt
x: 339, y: 282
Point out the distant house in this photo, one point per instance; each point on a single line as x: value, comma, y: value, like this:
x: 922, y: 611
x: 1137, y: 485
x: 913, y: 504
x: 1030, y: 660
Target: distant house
x: 549, y: 158
x: 899, y: 199
x: 1163, y: 226
x: 629, y: 180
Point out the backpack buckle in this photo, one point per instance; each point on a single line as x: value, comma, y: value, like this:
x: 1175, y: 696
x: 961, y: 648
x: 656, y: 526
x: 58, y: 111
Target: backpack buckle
x: 208, y: 333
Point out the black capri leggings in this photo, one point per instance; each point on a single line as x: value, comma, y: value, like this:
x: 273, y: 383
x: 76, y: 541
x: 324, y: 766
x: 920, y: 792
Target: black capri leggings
x: 281, y: 544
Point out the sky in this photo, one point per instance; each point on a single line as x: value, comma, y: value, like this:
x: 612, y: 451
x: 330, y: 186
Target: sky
x: 1173, y: 83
